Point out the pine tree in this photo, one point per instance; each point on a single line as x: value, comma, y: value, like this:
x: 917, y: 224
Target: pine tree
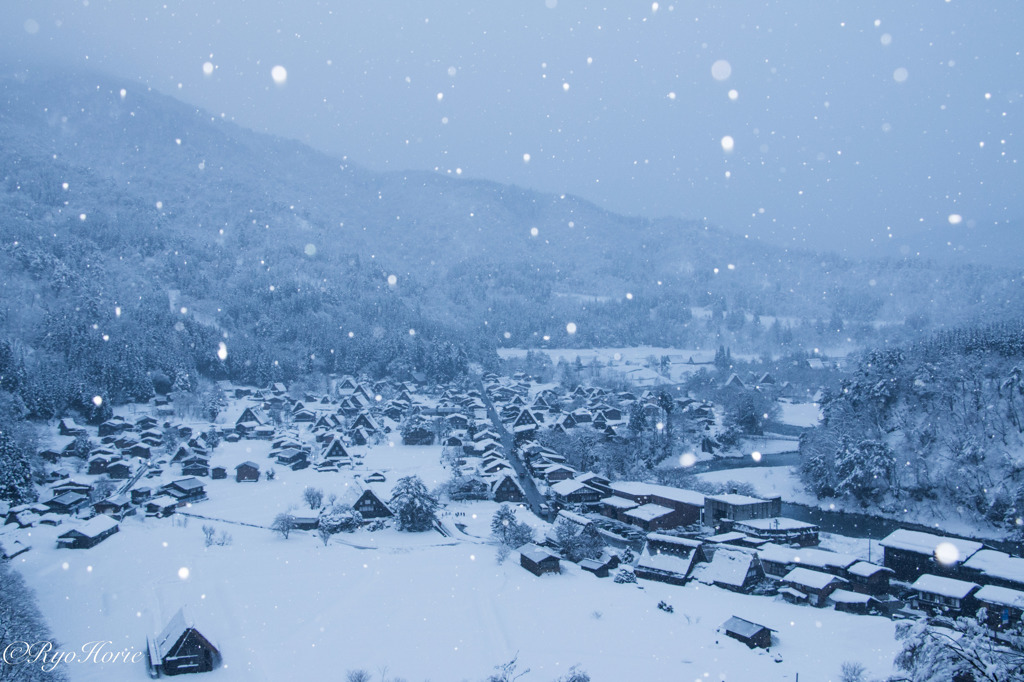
x: 15, y: 472
x: 414, y: 506
x: 508, y: 530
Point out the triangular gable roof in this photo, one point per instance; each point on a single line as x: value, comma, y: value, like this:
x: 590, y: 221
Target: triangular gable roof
x: 180, y: 624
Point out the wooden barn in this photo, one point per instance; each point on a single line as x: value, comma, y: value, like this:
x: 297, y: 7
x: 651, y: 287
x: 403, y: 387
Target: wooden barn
x: 180, y: 648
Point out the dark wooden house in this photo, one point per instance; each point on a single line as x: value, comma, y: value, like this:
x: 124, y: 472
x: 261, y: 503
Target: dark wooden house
x: 371, y: 506
x: 181, y: 648
x: 67, y: 503
x: 947, y: 596
x: 506, y: 489
x: 751, y: 634
x: 803, y: 585
x: 538, y: 560
x: 247, y: 471
x: 1005, y: 606
x: 117, y: 506
x: 912, y: 553
x: 89, y: 534
x: 669, y: 559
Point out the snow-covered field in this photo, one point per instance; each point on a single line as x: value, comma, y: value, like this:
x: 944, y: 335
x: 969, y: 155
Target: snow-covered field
x: 799, y: 414
x: 630, y: 363
x: 422, y: 606
x: 766, y: 482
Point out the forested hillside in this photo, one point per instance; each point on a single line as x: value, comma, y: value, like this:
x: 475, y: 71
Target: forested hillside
x: 939, y: 422
x: 138, y: 234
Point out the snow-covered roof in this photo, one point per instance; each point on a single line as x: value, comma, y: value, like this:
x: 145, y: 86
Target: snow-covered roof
x: 946, y: 587
x: 848, y: 597
x: 666, y: 491
x: 534, y: 553
x: 727, y: 567
x: 618, y: 502
x: 808, y: 556
x: 731, y: 536
x: 1003, y: 596
x: 776, y: 523
x: 669, y: 563
x: 574, y: 518
x: 673, y: 540
x: 649, y: 512
x: 736, y: 500
x: 568, y: 486
x: 742, y: 627
x: 997, y: 565
x: 925, y: 543
x: 805, y: 577
x: 864, y: 569
x: 94, y: 527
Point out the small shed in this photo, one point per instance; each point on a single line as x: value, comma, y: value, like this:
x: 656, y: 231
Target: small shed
x: 181, y: 648
x: 247, y: 471
x: 751, y: 634
x: 538, y: 560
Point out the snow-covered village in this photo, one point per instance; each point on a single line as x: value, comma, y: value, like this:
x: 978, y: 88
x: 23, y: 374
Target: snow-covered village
x: 526, y: 341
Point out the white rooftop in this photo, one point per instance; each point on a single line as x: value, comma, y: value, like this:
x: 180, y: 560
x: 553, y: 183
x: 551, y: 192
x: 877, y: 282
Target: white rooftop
x: 734, y: 499
x: 776, y: 523
x: 649, y: 512
x: 95, y: 526
x: 997, y: 564
x: 666, y: 491
x: 1003, y: 596
x: 805, y: 577
x: 925, y: 543
x: 946, y: 587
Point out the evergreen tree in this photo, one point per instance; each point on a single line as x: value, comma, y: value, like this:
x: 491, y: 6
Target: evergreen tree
x: 508, y: 530
x: 15, y: 471
x: 578, y: 543
x: 415, y: 508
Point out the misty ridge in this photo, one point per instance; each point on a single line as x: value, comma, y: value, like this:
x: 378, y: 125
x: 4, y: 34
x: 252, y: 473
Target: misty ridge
x: 142, y: 232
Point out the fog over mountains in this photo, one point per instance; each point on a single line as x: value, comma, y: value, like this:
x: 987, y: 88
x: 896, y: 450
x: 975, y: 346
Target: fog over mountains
x: 103, y: 175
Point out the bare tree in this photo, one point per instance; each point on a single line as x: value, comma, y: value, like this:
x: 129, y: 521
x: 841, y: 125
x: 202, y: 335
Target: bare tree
x: 314, y: 497
x: 283, y: 524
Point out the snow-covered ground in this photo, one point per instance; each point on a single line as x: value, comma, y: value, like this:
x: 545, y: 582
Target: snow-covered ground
x: 785, y: 482
x: 766, y: 482
x: 799, y: 414
x: 422, y: 606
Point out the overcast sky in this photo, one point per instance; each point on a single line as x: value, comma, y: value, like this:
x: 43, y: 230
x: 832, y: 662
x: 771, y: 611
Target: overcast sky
x: 820, y: 123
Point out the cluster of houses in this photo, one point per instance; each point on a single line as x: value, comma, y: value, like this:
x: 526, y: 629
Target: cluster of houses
x: 953, y: 576
x: 919, y: 572
x: 70, y: 499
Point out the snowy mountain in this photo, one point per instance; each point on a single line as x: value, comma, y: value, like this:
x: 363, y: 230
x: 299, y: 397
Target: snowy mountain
x: 130, y: 195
